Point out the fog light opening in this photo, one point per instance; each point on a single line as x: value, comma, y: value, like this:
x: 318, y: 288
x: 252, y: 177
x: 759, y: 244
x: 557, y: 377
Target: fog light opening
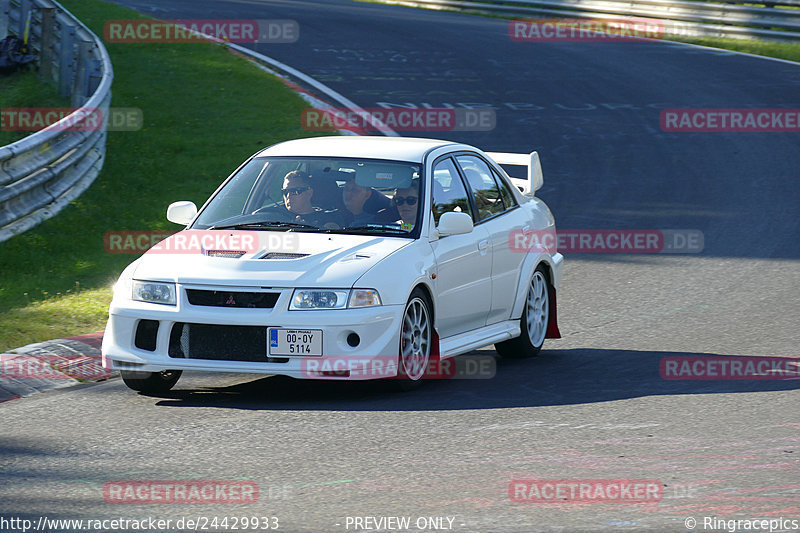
x: 353, y: 340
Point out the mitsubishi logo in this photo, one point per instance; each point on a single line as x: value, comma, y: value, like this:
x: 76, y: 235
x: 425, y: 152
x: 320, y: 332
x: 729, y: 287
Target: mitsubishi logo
x: 230, y: 300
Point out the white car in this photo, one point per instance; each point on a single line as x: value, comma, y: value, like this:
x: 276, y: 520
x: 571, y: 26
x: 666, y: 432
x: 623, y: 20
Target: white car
x: 342, y: 258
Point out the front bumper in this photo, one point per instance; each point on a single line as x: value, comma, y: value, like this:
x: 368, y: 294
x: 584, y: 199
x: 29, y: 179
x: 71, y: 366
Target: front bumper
x: 377, y: 329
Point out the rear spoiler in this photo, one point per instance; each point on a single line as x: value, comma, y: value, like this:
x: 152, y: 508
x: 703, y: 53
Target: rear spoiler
x: 535, y: 178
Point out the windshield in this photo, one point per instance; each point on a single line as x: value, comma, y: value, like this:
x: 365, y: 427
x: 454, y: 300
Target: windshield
x: 318, y: 194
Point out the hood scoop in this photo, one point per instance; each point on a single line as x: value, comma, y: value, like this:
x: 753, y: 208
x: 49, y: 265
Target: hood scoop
x: 283, y: 255
x: 230, y: 254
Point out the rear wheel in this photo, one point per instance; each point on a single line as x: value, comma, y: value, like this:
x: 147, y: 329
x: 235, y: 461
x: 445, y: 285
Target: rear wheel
x: 534, y: 321
x: 151, y: 381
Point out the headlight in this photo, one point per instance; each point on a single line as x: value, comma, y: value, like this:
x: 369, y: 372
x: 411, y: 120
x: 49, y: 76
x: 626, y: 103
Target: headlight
x: 319, y: 299
x: 155, y: 292
x: 304, y: 299
x: 364, y: 298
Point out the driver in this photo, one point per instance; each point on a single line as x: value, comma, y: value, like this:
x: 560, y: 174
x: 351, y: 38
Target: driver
x: 297, y: 193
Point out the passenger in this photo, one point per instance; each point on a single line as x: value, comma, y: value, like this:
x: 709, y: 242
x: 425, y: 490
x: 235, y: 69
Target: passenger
x: 407, y: 201
x: 354, y: 197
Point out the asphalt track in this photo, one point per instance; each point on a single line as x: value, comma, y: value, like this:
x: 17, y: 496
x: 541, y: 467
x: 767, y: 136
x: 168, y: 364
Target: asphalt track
x: 593, y: 406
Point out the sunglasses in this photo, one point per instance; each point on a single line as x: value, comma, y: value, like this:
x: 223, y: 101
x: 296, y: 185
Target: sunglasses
x: 410, y: 200
x: 294, y: 190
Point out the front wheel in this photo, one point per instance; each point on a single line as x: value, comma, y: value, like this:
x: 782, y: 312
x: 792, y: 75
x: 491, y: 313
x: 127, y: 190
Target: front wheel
x: 151, y: 382
x: 416, y: 335
x: 533, y: 323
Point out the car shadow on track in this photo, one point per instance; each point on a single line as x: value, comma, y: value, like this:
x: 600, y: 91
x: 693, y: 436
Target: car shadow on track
x: 555, y: 377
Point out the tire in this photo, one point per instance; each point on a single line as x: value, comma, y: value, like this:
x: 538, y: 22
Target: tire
x: 534, y: 321
x: 151, y: 382
x: 416, y: 338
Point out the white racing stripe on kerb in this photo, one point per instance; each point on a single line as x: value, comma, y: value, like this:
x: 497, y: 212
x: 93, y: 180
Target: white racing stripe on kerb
x: 346, y: 102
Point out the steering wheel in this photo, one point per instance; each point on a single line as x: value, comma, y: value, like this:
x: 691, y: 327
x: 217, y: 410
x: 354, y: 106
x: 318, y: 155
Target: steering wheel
x: 278, y: 213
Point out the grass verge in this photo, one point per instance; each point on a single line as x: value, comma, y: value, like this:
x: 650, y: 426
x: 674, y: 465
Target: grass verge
x: 24, y: 89
x: 777, y: 49
x: 73, y: 313
x: 205, y: 111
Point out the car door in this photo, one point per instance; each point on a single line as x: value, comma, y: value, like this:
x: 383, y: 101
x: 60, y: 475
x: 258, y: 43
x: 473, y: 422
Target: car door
x: 500, y: 216
x: 463, y: 262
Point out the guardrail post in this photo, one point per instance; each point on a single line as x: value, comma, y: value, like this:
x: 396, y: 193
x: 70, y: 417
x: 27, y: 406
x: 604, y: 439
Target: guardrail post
x: 94, y: 73
x: 5, y: 16
x: 46, y: 51
x: 66, y: 68
x: 79, y: 93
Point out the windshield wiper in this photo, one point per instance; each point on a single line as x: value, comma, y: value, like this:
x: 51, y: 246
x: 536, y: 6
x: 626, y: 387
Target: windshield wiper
x: 371, y: 228
x: 267, y: 225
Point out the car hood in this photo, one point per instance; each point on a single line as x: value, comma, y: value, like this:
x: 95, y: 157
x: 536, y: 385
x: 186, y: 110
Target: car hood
x: 278, y: 259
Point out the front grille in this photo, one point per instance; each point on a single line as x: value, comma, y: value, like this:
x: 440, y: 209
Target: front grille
x: 220, y: 343
x: 261, y: 300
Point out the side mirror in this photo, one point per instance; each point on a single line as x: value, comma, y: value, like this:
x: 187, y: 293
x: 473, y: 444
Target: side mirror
x: 454, y: 223
x: 181, y: 212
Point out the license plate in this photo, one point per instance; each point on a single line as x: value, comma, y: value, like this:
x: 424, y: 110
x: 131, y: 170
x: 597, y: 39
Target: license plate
x: 297, y: 342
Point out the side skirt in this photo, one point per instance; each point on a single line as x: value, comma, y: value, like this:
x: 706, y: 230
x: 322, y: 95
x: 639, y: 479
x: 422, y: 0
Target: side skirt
x: 472, y: 340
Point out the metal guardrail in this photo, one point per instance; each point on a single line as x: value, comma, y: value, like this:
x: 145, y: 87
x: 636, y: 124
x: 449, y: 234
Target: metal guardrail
x: 42, y: 173
x: 678, y: 17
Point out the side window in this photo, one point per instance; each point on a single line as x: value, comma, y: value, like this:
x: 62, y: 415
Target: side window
x: 449, y: 193
x: 505, y: 191
x: 484, y: 187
